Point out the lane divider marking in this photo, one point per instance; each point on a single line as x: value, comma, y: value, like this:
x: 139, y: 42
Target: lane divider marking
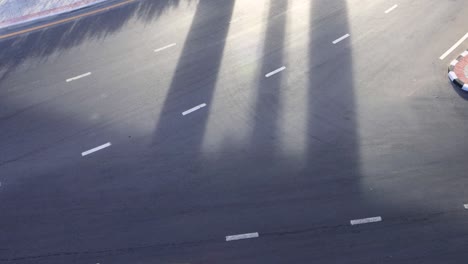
x: 165, y: 47
x: 79, y: 77
x: 336, y: 41
x: 191, y: 110
x: 108, y: 144
x: 459, y: 42
x: 242, y: 236
x: 366, y: 220
x: 275, y: 72
x: 391, y: 9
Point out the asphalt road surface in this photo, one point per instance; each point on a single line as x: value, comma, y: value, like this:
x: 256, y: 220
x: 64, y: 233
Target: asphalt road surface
x: 152, y: 132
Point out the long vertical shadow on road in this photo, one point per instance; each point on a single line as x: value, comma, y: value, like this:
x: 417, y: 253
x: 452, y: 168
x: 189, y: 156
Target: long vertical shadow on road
x: 332, y: 137
x: 195, y: 78
x: 268, y: 95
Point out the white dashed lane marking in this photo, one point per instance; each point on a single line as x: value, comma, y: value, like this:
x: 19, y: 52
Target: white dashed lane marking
x: 108, y: 144
x: 242, y: 236
x: 191, y: 110
x: 165, y: 47
x: 336, y: 41
x: 79, y: 77
x: 275, y: 72
x: 366, y: 220
x: 391, y: 9
x: 466, y: 206
x: 459, y: 42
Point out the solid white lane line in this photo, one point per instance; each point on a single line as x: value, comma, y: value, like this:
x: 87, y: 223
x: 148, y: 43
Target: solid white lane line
x: 165, y: 47
x: 108, y: 144
x: 191, y: 110
x: 336, y: 41
x: 275, y: 72
x: 242, y: 236
x: 454, y: 47
x: 366, y: 220
x: 391, y: 9
x: 79, y: 77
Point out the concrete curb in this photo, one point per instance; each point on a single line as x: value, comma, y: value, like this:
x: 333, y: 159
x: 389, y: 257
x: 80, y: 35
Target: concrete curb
x: 455, y: 66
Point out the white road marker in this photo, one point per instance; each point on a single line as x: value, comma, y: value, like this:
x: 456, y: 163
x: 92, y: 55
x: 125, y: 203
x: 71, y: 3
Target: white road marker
x: 366, y: 220
x: 79, y: 77
x: 191, y: 110
x: 454, y: 47
x: 466, y: 206
x: 165, y: 47
x: 108, y: 144
x: 336, y: 41
x: 275, y: 72
x: 242, y: 236
x: 391, y: 9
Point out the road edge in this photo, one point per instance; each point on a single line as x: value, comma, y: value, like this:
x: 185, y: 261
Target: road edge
x: 57, y: 19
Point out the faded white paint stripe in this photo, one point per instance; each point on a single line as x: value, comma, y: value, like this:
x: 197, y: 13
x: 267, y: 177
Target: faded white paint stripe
x: 191, y: 110
x: 391, y: 9
x: 366, y: 220
x: 454, y: 47
x: 242, y: 236
x: 235, y: 20
x: 336, y: 41
x: 108, y: 144
x: 165, y: 47
x: 78, y: 77
x: 275, y: 72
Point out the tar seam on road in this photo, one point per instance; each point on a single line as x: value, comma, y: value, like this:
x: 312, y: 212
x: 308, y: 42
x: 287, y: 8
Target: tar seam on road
x: 366, y: 220
x: 275, y: 72
x: 191, y: 110
x: 391, y: 9
x: 165, y: 47
x: 454, y: 47
x: 79, y: 77
x: 108, y: 144
x: 242, y: 236
x: 336, y: 41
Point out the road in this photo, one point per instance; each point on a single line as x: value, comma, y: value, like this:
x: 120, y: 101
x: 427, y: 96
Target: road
x: 216, y: 118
